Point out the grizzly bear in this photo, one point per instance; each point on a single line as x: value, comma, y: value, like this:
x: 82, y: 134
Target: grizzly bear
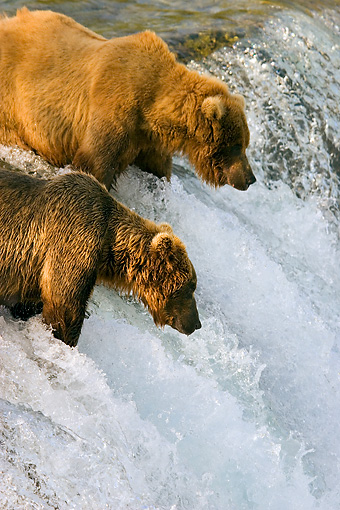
x: 61, y: 236
x: 77, y: 98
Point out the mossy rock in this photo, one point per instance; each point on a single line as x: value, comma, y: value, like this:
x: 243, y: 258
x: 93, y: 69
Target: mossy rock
x: 202, y: 44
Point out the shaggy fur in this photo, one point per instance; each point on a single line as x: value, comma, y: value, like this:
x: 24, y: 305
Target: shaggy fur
x: 61, y: 236
x: 76, y: 97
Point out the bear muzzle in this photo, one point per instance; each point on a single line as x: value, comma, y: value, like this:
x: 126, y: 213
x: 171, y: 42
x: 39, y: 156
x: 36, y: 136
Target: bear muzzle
x: 239, y: 174
x: 187, y: 321
x: 186, y: 328
x: 181, y: 314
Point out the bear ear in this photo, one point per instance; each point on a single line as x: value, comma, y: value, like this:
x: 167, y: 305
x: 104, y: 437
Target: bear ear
x: 165, y: 227
x: 162, y: 243
x: 240, y: 100
x: 213, y: 107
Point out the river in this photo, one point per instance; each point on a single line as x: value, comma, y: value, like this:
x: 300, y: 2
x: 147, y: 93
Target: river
x: 243, y: 414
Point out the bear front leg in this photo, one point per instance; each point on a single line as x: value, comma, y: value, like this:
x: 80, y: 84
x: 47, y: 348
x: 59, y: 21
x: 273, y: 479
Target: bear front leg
x: 155, y: 162
x: 105, y: 154
x: 66, y: 287
x: 66, y: 321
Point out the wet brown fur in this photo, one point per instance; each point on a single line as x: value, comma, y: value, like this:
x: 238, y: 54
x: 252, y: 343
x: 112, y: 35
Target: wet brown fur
x: 61, y: 236
x: 76, y: 97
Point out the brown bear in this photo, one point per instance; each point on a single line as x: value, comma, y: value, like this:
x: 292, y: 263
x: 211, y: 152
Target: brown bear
x: 77, y: 98
x: 61, y: 236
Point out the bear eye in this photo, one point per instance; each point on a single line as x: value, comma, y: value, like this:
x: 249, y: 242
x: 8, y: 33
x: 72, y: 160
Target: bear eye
x: 192, y: 287
x: 235, y: 150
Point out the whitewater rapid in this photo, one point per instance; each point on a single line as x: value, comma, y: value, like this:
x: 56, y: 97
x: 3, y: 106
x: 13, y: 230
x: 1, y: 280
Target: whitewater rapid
x: 244, y: 413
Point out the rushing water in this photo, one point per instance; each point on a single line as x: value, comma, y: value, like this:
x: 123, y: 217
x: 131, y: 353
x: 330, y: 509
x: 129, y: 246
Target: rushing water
x: 244, y: 414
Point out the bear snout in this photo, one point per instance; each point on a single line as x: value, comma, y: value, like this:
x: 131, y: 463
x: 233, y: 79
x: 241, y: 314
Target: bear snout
x: 239, y: 175
x: 251, y: 179
x: 186, y: 329
x: 181, y: 314
x: 187, y: 321
x: 198, y: 325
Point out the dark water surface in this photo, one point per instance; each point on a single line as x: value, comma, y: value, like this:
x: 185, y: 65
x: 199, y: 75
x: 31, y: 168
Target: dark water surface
x: 170, y: 19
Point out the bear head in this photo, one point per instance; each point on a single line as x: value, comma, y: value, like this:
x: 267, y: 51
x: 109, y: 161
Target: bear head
x: 210, y: 127
x: 168, y: 282
x: 221, y: 136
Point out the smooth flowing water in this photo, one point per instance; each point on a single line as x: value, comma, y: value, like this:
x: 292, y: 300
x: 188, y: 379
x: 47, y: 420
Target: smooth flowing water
x: 244, y: 414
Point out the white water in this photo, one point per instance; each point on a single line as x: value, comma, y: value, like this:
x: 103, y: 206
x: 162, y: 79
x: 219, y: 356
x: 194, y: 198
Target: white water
x: 243, y: 414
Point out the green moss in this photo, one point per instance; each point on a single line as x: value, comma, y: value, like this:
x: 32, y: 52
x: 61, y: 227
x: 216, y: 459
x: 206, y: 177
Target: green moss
x: 196, y: 46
